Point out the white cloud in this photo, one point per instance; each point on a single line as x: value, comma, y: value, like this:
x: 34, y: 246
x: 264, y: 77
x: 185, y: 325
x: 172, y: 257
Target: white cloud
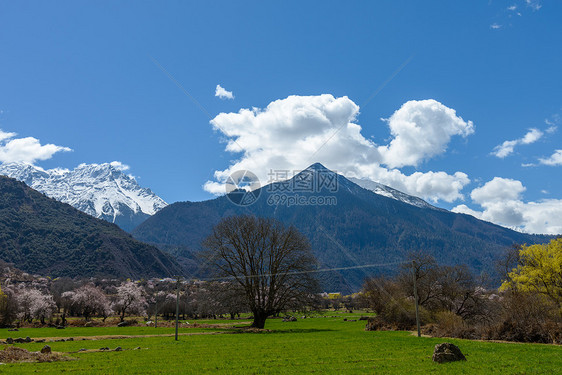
x: 498, y: 189
x: 6, y: 135
x: 554, y: 159
x: 532, y: 136
x: 502, y: 203
x: 292, y: 133
x: 120, y: 166
x: 495, y: 26
x: 421, y: 130
x: 222, y: 93
x: 552, y: 123
x: 464, y: 209
x: 27, y: 150
x: 534, y: 4
x: 507, y: 147
x: 512, y: 7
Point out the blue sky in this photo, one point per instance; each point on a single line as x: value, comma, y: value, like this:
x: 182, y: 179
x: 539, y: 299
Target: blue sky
x: 85, y: 75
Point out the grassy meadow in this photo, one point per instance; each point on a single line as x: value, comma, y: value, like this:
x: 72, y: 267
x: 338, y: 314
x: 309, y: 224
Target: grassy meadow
x: 324, y: 344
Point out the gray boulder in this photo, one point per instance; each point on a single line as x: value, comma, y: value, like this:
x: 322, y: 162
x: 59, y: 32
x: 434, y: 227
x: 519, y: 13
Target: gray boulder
x: 447, y: 352
x: 46, y: 349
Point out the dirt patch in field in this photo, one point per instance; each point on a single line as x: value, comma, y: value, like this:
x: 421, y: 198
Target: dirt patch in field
x: 122, y: 337
x: 14, y: 354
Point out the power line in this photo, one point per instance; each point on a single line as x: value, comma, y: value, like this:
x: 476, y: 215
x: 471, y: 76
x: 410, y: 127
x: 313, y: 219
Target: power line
x: 307, y: 271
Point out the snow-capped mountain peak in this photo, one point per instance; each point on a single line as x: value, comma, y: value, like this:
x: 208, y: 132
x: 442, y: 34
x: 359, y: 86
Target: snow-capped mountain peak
x: 389, y: 192
x: 101, y: 190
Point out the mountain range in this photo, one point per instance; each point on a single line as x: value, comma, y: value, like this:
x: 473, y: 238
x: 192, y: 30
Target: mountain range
x: 104, y: 190
x: 349, y: 226
x: 41, y: 235
x: 357, y: 227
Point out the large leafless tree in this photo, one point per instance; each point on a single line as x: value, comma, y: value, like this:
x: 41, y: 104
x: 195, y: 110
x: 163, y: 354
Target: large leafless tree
x: 271, y: 263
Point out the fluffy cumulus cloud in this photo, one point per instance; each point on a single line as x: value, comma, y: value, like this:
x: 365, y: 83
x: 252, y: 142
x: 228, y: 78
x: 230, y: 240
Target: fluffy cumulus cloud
x: 498, y: 189
x: 502, y: 203
x: 507, y: 147
x: 553, y: 160
x: 27, y: 150
x: 222, y: 93
x: 292, y: 133
x: 421, y: 130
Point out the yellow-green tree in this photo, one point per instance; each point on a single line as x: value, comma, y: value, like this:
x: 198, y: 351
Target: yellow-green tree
x: 539, y: 270
x: 3, y: 307
x: 3, y: 299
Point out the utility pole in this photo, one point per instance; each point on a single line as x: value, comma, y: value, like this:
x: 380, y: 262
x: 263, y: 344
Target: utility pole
x: 156, y: 311
x: 416, y: 297
x: 177, y: 305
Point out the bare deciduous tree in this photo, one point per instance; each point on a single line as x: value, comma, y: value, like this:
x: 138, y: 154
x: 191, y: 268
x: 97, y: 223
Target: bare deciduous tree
x: 271, y: 263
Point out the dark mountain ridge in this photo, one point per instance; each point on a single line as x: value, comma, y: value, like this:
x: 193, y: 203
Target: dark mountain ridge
x: 41, y: 235
x: 362, y: 228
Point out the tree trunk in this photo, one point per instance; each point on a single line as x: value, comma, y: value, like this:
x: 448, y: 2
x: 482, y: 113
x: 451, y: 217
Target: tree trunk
x: 259, y: 319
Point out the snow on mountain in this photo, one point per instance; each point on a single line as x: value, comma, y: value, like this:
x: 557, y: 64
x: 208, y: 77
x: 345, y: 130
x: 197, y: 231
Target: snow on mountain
x: 389, y: 192
x: 377, y: 188
x: 101, y: 190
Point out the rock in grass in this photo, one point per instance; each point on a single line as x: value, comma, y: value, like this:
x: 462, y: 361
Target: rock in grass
x: 118, y: 349
x: 46, y: 349
x: 9, y: 340
x: 447, y: 352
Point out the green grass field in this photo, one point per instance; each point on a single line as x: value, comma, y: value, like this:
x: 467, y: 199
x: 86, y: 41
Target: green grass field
x: 316, y: 345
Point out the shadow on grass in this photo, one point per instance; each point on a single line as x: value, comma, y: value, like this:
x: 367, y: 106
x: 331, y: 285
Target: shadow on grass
x: 301, y: 330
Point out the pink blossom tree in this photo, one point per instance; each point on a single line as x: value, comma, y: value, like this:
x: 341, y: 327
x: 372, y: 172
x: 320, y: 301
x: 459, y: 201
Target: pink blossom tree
x: 129, y: 300
x: 34, y: 304
x: 88, y: 300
